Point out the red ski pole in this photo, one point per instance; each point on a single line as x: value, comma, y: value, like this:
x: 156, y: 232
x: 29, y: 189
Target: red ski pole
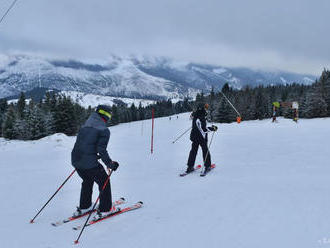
x: 32, y: 221
x: 152, y: 131
x: 105, y: 184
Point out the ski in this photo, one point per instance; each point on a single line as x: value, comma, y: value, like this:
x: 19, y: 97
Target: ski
x: 61, y: 222
x: 120, y: 211
x: 204, y: 173
x: 185, y: 173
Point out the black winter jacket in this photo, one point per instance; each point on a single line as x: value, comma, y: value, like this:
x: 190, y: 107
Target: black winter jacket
x: 91, y: 143
x: 199, y: 129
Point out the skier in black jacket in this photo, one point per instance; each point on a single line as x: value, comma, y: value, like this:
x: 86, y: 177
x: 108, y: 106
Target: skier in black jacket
x: 91, y: 145
x: 198, y: 136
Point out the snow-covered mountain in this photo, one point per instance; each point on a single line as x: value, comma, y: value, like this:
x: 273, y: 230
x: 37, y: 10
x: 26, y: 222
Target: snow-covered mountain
x: 134, y: 77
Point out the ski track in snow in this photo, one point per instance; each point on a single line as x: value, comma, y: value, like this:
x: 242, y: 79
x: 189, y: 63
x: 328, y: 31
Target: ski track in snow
x: 270, y: 188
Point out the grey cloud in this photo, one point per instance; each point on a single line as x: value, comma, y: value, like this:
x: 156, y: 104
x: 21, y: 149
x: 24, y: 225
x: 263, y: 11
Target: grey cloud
x: 280, y: 34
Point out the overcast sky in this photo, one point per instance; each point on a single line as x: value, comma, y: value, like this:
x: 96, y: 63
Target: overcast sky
x: 290, y: 35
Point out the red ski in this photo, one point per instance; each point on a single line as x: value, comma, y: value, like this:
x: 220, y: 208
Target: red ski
x: 197, y: 167
x: 58, y: 223
x: 120, y: 211
x: 203, y: 174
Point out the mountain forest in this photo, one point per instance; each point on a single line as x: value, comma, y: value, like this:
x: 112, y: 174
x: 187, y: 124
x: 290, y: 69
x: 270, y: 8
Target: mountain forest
x: 55, y: 113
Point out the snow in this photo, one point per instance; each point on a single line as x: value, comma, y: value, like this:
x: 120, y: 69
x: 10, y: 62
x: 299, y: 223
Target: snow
x: 283, y: 80
x: 93, y: 100
x: 14, y: 101
x: 219, y: 70
x: 270, y: 188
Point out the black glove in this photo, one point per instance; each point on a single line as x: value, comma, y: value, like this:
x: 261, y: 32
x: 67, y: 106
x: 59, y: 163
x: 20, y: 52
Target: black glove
x: 113, y: 165
x: 213, y: 128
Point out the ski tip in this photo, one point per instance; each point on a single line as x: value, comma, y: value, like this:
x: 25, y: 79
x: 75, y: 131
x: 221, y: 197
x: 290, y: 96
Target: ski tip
x: 199, y: 166
x: 140, y: 202
x: 122, y: 198
x: 53, y: 224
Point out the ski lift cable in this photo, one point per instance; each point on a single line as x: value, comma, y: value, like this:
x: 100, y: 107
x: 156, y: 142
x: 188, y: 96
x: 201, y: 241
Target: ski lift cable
x: 5, y: 14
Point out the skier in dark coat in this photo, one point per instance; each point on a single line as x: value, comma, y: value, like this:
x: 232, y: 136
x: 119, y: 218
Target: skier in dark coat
x: 198, y: 136
x: 91, y: 145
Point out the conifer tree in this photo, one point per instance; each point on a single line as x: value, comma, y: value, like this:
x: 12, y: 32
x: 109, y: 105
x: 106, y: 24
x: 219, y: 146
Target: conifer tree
x: 3, y: 109
x: 224, y: 112
x: 316, y: 105
x: 261, y: 105
x: 9, y: 123
x: 21, y: 105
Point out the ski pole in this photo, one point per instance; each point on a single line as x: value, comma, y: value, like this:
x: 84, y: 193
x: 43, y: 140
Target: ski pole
x: 208, y: 149
x: 105, y: 184
x: 32, y: 221
x: 181, y: 135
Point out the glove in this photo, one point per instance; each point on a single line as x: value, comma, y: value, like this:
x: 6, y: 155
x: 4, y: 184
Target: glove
x: 113, y: 165
x: 213, y: 128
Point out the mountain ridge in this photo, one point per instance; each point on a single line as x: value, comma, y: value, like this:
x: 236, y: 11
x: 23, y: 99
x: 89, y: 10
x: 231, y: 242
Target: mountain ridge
x: 135, y: 77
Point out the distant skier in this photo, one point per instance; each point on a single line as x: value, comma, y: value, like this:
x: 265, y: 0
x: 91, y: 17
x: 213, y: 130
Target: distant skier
x: 198, y: 136
x: 274, y: 113
x: 295, y: 115
x: 276, y: 106
x: 91, y: 145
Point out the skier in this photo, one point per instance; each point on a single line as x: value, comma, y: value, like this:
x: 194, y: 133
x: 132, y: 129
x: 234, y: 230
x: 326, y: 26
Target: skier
x: 274, y: 113
x: 91, y: 145
x: 295, y: 115
x: 198, y: 136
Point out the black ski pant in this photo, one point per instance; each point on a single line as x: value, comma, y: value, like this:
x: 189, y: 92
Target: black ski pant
x: 193, y: 153
x: 99, y: 176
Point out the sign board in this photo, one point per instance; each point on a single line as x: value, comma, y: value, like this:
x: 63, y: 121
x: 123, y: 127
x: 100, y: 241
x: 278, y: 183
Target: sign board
x: 286, y: 104
x: 295, y: 105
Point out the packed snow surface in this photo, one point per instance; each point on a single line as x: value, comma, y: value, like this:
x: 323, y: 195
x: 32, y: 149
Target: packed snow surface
x: 270, y: 188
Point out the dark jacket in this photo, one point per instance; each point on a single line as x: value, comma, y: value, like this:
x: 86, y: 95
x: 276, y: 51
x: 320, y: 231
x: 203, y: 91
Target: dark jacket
x: 91, y: 144
x: 199, y: 129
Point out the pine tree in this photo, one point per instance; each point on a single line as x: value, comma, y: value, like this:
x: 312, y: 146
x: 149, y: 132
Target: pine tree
x: 141, y: 115
x: 115, y: 115
x: 316, y: 104
x: 261, y: 105
x: 64, y: 117
x: 224, y: 112
x: 3, y: 109
x: 21, y: 129
x: 36, y: 122
x: 212, y: 104
x: 134, y: 113
x: 9, y: 122
x: 225, y: 88
x: 325, y: 88
x: 21, y: 105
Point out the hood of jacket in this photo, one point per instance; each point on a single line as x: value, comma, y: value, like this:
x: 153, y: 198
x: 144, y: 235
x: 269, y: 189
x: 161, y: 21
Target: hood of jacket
x: 95, y: 121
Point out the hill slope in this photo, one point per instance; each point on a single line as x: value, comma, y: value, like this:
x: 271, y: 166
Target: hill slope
x: 269, y: 189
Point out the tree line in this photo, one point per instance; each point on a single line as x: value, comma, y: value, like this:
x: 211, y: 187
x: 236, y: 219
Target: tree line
x: 57, y: 113
x: 257, y: 103
x: 60, y: 114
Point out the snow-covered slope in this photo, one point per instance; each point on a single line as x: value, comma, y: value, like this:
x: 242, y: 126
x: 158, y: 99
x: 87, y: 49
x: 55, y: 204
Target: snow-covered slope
x: 270, y: 188
x: 92, y: 100
x: 139, y: 77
